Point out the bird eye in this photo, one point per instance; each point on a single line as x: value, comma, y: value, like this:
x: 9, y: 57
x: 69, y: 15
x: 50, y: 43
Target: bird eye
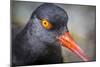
x: 46, y: 24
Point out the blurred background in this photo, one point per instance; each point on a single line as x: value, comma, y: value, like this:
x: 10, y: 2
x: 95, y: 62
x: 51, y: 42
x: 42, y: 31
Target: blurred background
x: 81, y: 24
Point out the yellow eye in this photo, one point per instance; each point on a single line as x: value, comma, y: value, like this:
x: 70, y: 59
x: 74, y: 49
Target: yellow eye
x: 46, y: 24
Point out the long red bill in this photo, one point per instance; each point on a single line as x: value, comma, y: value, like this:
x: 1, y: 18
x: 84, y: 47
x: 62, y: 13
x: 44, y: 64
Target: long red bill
x: 67, y: 41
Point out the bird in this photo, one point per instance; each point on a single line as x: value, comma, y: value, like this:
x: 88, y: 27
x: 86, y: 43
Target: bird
x: 40, y: 40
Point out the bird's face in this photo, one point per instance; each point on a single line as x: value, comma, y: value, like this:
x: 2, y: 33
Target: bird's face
x: 48, y: 31
x: 50, y: 22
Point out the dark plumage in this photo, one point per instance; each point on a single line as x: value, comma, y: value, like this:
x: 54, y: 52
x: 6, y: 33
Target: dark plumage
x: 37, y: 45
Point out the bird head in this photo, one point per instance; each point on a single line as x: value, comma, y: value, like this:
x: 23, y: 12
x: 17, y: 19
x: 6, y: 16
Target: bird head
x: 50, y: 25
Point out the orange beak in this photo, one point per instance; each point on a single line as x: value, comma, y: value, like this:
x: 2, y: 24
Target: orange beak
x: 67, y: 41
